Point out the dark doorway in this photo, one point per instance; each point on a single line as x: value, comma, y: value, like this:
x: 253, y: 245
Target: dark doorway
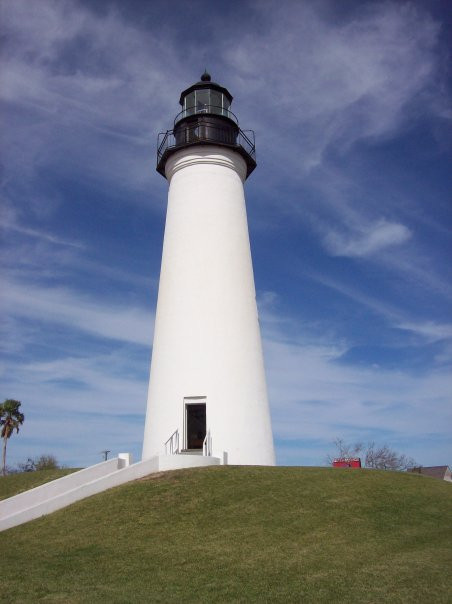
x: 196, y: 425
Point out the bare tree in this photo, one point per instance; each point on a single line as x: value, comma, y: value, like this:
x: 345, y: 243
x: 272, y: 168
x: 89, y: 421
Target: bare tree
x: 384, y: 458
x: 378, y: 457
x: 27, y: 466
x: 46, y: 462
x: 345, y: 450
x: 43, y: 462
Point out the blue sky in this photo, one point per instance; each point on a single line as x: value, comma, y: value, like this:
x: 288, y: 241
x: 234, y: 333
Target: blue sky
x: 349, y: 213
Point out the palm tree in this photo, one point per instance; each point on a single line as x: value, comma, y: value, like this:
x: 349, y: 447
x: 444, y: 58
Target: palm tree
x: 10, y: 419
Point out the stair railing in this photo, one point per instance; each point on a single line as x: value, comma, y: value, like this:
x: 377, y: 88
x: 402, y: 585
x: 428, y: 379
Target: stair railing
x: 172, y: 444
x: 207, y: 445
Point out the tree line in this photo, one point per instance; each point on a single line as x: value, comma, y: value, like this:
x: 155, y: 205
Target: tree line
x: 379, y: 457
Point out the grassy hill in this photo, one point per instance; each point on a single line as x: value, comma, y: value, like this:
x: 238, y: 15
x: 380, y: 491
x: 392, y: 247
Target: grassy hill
x: 240, y: 534
x: 16, y: 483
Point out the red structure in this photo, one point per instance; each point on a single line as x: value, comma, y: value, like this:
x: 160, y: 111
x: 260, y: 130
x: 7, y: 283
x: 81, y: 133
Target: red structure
x: 347, y: 462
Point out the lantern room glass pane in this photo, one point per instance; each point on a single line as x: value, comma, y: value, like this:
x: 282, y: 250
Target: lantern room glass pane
x: 189, y: 104
x: 205, y: 100
x: 216, y: 102
x: 202, y: 101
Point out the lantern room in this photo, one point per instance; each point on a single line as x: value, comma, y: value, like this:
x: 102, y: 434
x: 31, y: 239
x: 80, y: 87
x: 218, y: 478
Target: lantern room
x: 205, y: 97
x: 206, y: 119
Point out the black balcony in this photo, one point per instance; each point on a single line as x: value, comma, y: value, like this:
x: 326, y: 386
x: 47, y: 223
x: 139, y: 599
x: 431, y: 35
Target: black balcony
x: 197, y: 129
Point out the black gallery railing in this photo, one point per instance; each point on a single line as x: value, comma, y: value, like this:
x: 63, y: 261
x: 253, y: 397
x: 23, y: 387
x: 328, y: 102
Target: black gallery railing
x: 206, y: 133
x: 205, y: 109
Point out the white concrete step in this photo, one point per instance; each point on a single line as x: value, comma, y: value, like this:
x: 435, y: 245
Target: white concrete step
x: 190, y: 452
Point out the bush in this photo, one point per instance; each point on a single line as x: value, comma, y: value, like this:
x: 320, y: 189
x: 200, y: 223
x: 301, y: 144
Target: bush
x: 46, y: 462
x: 43, y: 462
x: 27, y: 466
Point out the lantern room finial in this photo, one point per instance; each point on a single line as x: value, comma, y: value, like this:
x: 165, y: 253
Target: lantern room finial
x: 205, y: 76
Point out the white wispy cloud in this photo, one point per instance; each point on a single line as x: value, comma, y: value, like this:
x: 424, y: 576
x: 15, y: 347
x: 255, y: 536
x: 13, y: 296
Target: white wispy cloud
x: 94, y: 383
x: 78, y: 311
x: 316, y: 87
x: 396, y: 316
x: 420, y: 270
x: 39, y: 234
x: 82, y: 86
x: 314, y: 397
x: 356, y: 84
x: 78, y: 405
x: 390, y: 312
x: 76, y: 440
x: 89, y: 399
x: 370, y: 240
x: 343, y: 83
x: 429, y: 329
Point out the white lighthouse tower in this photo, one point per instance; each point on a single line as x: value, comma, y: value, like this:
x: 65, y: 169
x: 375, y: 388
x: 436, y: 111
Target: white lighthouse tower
x: 207, y: 390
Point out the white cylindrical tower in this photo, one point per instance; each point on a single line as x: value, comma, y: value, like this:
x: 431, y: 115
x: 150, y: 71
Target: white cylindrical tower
x: 207, y: 390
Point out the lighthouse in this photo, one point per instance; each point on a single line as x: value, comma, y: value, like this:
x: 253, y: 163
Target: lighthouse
x: 207, y: 389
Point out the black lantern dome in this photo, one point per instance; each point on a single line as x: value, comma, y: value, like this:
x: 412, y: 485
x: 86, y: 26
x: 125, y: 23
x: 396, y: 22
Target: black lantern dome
x: 205, y: 97
x: 205, y: 119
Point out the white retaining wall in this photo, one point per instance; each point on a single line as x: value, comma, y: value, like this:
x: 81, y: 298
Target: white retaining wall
x: 60, y: 493
x: 56, y: 487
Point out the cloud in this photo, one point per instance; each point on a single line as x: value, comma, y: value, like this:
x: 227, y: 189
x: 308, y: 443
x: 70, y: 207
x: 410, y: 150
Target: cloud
x: 90, y: 398
x: 369, y: 241
x: 316, y: 398
x: 324, y: 89
x: 78, y: 311
x: 429, y: 329
x: 335, y: 81
x: 77, y: 405
x: 77, y: 440
x: 93, y: 383
x: 420, y: 270
x: 86, y: 93
x: 376, y: 304
x: 397, y: 317
x: 91, y: 81
x: 39, y: 234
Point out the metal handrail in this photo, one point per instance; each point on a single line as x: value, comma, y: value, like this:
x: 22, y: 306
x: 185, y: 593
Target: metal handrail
x: 251, y: 143
x: 172, y: 443
x: 161, y: 142
x: 206, y: 109
x: 207, y: 445
x: 166, y: 140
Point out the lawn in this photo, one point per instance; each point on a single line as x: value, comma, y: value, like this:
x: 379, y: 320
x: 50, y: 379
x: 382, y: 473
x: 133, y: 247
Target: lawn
x: 16, y: 483
x: 241, y: 534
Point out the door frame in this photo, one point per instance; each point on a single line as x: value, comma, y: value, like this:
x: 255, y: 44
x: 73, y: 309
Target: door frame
x: 191, y: 400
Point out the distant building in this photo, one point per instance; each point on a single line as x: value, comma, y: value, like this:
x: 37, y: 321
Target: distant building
x: 347, y: 462
x: 441, y: 472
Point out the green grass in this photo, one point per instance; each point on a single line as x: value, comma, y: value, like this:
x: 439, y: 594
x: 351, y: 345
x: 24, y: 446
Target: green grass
x: 16, y: 483
x: 241, y: 534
